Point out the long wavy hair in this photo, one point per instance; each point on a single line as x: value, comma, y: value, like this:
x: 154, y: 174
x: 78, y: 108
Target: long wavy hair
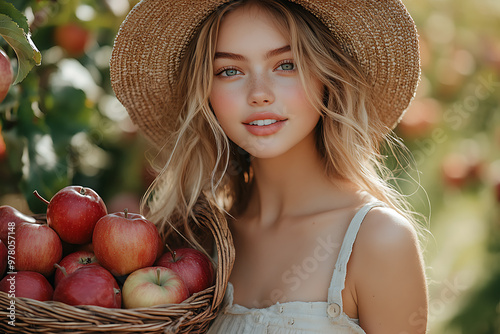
x: 199, y: 161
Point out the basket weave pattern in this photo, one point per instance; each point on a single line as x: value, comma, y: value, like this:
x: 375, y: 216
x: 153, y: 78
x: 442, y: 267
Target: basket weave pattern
x: 191, y: 316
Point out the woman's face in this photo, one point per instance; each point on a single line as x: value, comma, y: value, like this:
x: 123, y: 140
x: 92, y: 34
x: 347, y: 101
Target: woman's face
x: 257, y: 95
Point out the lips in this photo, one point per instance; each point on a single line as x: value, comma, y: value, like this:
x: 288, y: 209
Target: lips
x: 263, y: 116
x: 264, y: 124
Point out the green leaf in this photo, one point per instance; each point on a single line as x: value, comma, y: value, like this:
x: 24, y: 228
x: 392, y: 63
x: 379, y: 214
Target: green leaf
x: 18, y: 123
x: 26, y: 51
x: 68, y: 116
x: 15, y: 146
x: 21, y: 5
x: 42, y: 168
x: 16, y: 16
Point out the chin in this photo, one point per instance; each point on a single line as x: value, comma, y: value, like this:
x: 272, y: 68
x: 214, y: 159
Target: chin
x: 267, y: 153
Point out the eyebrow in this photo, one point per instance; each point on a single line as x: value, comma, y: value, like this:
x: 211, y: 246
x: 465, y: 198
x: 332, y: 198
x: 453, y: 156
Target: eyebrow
x: 238, y: 57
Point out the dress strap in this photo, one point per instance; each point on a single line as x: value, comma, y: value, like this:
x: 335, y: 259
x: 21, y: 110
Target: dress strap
x: 337, y: 284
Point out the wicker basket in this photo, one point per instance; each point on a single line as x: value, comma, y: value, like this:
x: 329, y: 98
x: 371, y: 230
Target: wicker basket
x: 191, y: 316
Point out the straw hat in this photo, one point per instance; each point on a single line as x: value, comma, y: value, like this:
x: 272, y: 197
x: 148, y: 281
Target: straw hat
x: 379, y: 34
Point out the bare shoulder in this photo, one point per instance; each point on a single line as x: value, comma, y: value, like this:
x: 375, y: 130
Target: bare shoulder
x: 384, y: 231
x: 387, y: 272
x: 387, y: 243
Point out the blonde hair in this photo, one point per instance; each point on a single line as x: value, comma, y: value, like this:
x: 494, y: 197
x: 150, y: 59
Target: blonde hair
x: 203, y: 163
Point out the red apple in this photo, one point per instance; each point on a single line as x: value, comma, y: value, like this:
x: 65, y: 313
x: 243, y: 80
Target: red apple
x: 150, y: 286
x: 27, y: 284
x: 124, y: 242
x: 9, y: 218
x: 89, y: 285
x: 73, y: 262
x: 37, y: 248
x: 73, y: 213
x: 194, y: 267
x: 3, y: 258
x: 6, y: 74
x: 73, y: 38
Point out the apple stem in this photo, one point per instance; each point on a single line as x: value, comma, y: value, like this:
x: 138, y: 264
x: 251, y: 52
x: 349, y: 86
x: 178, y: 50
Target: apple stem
x: 65, y: 273
x: 125, y: 211
x: 82, y: 191
x: 40, y: 197
x: 158, y: 275
x: 171, y: 252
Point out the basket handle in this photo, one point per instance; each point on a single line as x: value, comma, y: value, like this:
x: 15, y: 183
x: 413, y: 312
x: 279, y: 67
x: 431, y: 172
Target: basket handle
x: 216, y: 221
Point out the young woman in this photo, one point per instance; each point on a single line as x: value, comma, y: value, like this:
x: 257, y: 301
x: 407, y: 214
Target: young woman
x: 275, y: 111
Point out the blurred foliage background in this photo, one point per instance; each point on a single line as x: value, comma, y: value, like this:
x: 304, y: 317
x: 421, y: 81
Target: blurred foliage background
x: 62, y: 125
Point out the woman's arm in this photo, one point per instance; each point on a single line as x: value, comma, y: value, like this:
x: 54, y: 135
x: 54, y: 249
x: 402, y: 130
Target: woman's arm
x: 389, y: 276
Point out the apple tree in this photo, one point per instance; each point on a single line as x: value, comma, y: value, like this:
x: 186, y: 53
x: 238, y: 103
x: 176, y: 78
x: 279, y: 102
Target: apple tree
x: 60, y: 123
x: 452, y: 176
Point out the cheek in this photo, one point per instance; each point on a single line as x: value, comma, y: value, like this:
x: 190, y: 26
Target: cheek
x: 296, y: 97
x: 299, y: 105
x: 224, y: 105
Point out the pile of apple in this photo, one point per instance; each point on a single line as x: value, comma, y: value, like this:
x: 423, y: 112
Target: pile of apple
x: 84, y: 256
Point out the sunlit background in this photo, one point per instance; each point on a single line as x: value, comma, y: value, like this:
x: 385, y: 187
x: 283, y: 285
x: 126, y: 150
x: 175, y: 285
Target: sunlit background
x: 62, y: 125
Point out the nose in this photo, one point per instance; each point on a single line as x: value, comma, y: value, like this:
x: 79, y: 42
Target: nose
x: 260, y: 92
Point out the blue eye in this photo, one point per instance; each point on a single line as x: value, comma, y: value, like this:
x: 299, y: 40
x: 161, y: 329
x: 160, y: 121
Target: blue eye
x: 287, y: 66
x: 230, y: 72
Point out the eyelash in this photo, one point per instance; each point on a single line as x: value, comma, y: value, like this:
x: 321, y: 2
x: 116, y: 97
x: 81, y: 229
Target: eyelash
x: 281, y: 63
x: 224, y: 69
x: 287, y: 61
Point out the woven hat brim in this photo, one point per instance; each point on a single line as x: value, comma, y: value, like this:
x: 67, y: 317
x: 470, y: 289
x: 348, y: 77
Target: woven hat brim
x: 379, y: 34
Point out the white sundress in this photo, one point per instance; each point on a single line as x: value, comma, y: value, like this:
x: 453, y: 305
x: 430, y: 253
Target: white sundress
x: 298, y: 317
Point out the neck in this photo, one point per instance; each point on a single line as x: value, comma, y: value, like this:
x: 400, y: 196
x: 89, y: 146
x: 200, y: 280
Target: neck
x: 291, y: 185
